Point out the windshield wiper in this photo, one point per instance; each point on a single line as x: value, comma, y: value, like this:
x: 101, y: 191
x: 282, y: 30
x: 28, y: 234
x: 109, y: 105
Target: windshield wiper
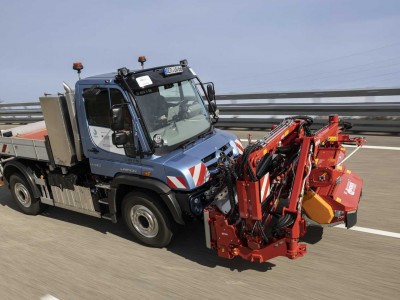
x: 203, y: 135
x: 185, y: 145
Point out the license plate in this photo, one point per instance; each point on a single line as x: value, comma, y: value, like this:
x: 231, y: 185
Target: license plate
x: 172, y: 70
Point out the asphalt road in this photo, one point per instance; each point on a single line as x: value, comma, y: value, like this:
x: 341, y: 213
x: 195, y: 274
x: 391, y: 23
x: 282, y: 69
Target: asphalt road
x: 72, y: 256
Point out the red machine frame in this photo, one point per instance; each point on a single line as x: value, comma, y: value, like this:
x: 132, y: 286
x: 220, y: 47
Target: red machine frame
x: 318, y: 170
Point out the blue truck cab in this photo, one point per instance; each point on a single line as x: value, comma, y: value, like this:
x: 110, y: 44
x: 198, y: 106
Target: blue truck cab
x: 144, y: 149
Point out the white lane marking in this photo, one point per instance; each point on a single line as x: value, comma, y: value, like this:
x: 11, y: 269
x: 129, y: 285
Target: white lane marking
x: 246, y: 140
x: 375, y: 147
x: 373, y: 231
x: 351, y: 146
x: 48, y: 297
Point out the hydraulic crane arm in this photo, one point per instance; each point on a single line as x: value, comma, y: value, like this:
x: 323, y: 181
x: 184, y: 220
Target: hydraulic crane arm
x: 283, y: 181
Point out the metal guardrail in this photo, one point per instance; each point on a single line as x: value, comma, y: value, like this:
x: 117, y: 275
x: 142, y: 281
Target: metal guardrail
x: 365, y: 117
x: 20, y: 113
x: 262, y: 110
x: 395, y: 91
x: 253, y: 111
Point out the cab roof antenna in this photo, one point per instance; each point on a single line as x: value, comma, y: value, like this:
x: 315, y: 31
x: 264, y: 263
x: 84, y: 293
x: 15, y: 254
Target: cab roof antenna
x: 77, y: 66
x: 142, y: 60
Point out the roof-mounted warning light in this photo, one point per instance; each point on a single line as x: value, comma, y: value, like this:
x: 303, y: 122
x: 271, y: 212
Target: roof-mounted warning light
x: 123, y: 72
x: 183, y: 62
x: 77, y: 66
x: 142, y: 60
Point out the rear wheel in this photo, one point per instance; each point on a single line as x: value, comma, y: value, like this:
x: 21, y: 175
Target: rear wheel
x: 23, y: 195
x: 148, y: 221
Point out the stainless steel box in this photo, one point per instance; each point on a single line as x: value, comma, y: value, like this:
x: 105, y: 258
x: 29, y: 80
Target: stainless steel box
x: 58, y: 125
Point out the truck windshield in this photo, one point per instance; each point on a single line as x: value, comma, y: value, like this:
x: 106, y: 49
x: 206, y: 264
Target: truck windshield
x: 175, y: 112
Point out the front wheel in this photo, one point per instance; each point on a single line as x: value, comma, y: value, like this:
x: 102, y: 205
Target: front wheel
x: 23, y: 195
x: 148, y: 221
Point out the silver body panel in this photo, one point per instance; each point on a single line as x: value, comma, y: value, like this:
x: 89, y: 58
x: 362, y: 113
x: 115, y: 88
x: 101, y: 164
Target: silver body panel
x: 69, y: 95
x: 207, y: 229
x: 59, y: 130
x: 79, y: 200
x: 24, y: 148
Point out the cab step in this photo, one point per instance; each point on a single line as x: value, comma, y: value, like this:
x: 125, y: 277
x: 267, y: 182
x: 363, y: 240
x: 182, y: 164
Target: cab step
x: 111, y: 217
x: 103, y: 201
x: 104, y: 186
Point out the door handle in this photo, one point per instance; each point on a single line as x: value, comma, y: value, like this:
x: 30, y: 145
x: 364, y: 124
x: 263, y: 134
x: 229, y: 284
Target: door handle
x: 93, y: 150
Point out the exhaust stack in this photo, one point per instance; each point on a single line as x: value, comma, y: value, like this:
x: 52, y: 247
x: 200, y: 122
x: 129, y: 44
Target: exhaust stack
x: 70, y: 97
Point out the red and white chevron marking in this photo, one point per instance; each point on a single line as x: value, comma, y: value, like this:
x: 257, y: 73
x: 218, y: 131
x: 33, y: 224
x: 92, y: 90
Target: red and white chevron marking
x: 199, y: 174
x: 239, y: 146
x: 264, y: 187
x: 176, y: 182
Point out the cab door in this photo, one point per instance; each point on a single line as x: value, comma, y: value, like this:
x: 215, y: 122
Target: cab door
x: 104, y: 157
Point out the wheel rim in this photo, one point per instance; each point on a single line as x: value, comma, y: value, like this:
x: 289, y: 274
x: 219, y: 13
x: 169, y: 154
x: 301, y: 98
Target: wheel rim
x: 144, y: 221
x: 22, y: 194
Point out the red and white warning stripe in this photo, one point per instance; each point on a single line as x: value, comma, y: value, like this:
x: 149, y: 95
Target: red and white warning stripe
x: 199, y: 174
x: 264, y: 187
x: 239, y: 146
x: 176, y: 182
x: 207, y: 178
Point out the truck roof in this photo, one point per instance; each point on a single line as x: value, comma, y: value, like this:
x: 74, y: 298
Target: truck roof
x: 101, y: 76
x: 156, y: 74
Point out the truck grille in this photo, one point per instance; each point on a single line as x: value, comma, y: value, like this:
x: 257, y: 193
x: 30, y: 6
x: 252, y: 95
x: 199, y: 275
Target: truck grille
x: 211, y: 160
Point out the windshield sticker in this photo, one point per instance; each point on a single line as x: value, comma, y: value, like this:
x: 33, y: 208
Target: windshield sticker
x: 144, y: 81
x: 146, y: 91
x: 193, y: 72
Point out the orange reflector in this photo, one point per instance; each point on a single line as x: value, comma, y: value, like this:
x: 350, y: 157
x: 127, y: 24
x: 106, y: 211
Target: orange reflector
x: 147, y: 173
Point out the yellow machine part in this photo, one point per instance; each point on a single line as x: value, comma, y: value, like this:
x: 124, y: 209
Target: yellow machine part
x: 316, y: 208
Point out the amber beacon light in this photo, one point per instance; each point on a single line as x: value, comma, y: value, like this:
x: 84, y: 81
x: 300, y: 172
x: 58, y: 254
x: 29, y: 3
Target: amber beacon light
x: 78, y: 67
x: 142, y: 60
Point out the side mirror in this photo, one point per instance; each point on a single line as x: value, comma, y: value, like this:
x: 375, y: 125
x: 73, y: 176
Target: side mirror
x: 117, y: 118
x: 119, y: 138
x: 210, y: 92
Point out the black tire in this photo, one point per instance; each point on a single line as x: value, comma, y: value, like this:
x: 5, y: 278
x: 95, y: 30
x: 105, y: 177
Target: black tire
x: 147, y: 220
x: 23, y: 195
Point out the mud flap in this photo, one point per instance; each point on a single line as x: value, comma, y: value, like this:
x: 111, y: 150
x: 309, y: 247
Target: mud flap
x: 1, y: 176
x: 351, y: 219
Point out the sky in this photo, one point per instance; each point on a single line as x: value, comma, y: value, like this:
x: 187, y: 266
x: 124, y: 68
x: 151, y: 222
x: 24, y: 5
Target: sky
x: 242, y: 46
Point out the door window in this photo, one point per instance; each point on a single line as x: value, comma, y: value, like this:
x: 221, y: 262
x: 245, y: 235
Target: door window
x: 97, y: 105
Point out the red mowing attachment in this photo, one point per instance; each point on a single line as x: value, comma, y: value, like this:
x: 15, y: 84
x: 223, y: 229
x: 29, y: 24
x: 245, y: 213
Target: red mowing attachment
x: 280, y: 184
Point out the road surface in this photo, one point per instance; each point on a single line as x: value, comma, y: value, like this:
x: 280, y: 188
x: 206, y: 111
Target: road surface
x: 71, y: 256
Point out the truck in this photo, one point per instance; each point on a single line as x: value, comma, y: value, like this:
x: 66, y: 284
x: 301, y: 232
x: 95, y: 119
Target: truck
x: 136, y: 145
x: 142, y: 146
